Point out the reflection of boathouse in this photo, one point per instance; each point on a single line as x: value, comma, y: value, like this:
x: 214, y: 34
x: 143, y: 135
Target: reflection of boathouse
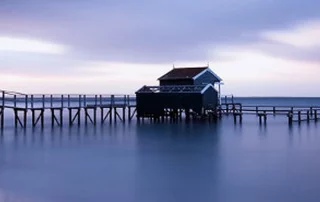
x: 188, y: 89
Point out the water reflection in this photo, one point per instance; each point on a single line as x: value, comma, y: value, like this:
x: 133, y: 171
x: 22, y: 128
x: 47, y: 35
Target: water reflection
x: 175, y: 159
x: 163, y: 162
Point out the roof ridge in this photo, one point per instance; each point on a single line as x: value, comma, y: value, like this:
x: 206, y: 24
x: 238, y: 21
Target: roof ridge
x: 189, y: 67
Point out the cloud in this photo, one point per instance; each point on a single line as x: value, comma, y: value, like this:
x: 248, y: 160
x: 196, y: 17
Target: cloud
x: 253, y: 72
x: 304, y: 35
x: 150, y: 31
x: 30, y: 46
x: 251, y: 44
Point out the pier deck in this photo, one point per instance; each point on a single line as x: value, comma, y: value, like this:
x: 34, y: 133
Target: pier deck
x: 70, y: 108
x: 112, y: 107
x: 293, y: 113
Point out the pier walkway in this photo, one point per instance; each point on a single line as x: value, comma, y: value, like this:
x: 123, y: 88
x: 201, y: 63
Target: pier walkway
x: 110, y: 107
x: 31, y: 109
x: 293, y: 113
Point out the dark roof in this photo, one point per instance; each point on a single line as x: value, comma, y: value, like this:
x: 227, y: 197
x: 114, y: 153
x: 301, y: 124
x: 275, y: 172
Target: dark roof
x: 175, y: 89
x: 182, y: 73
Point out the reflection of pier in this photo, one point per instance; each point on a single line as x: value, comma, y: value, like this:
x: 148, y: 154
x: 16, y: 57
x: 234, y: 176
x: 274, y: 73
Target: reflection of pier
x: 111, y: 107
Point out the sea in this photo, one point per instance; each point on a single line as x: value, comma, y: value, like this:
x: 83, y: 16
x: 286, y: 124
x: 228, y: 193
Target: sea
x: 165, y: 162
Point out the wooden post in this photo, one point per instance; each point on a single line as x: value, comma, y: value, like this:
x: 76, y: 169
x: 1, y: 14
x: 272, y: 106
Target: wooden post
x: 79, y: 101
x: 68, y: 100
x: 42, y: 118
x: 112, y: 100
x: 260, y: 119
x: 15, y: 118
x: 31, y: 101
x: 51, y: 100
x: 290, y: 117
x: 52, y: 117
x: 85, y: 100
x: 14, y: 101
x: 61, y: 116
x: 95, y: 100
x: 85, y: 115
x: 3, y: 98
x: 79, y: 121
x: 70, y: 116
x: 43, y: 101
x: 2, y: 109
x: 299, y: 116
x: 257, y: 109
x: 26, y: 101
x: 25, y: 117
x: 274, y: 110
x: 100, y: 99
x: 315, y: 115
x: 234, y: 108
x: 187, y: 113
x: 61, y: 101
x: 265, y: 116
x: 110, y: 114
x: 101, y: 114
x: 33, y: 117
x: 308, y: 115
x: 124, y: 114
x: 311, y: 111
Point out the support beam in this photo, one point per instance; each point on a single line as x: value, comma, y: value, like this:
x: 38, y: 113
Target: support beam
x: 56, y: 118
x: 74, y: 116
x: 37, y: 116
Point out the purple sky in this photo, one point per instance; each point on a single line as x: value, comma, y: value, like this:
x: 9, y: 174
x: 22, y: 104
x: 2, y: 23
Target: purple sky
x: 259, y: 47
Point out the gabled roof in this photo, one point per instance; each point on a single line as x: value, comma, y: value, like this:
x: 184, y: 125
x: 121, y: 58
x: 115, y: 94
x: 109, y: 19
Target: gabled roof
x: 187, y: 73
x: 182, y: 73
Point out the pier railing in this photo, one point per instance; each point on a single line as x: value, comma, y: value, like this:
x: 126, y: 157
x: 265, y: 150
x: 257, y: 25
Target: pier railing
x: 10, y: 99
x: 114, y: 107
x: 294, y: 113
x: 111, y: 107
x: 227, y: 99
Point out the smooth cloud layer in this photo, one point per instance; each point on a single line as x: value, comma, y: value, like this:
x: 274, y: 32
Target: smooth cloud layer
x: 150, y: 31
x: 251, y: 44
x: 30, y: 46
x: 303, y: 35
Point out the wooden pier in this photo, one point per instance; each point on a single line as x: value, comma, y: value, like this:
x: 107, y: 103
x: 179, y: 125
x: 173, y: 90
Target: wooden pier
x: 75, y: 109
x: 293, y: 113
x: 35, y: 106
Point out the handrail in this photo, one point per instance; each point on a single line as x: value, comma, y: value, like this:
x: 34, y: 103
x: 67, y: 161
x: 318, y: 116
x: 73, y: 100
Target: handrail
x: 225, y: 98
x: 62, y: 100
x: 11, y: 92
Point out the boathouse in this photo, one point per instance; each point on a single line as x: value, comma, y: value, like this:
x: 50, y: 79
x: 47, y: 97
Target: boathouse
x: 188, y: 89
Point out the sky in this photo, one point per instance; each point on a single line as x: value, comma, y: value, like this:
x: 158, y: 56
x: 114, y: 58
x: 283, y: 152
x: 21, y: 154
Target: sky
x: 258, y: 47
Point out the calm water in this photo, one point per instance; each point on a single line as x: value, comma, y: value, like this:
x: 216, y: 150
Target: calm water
x: 164, y: 162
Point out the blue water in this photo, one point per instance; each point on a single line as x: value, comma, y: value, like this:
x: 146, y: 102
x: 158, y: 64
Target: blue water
x: 223, y: 162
